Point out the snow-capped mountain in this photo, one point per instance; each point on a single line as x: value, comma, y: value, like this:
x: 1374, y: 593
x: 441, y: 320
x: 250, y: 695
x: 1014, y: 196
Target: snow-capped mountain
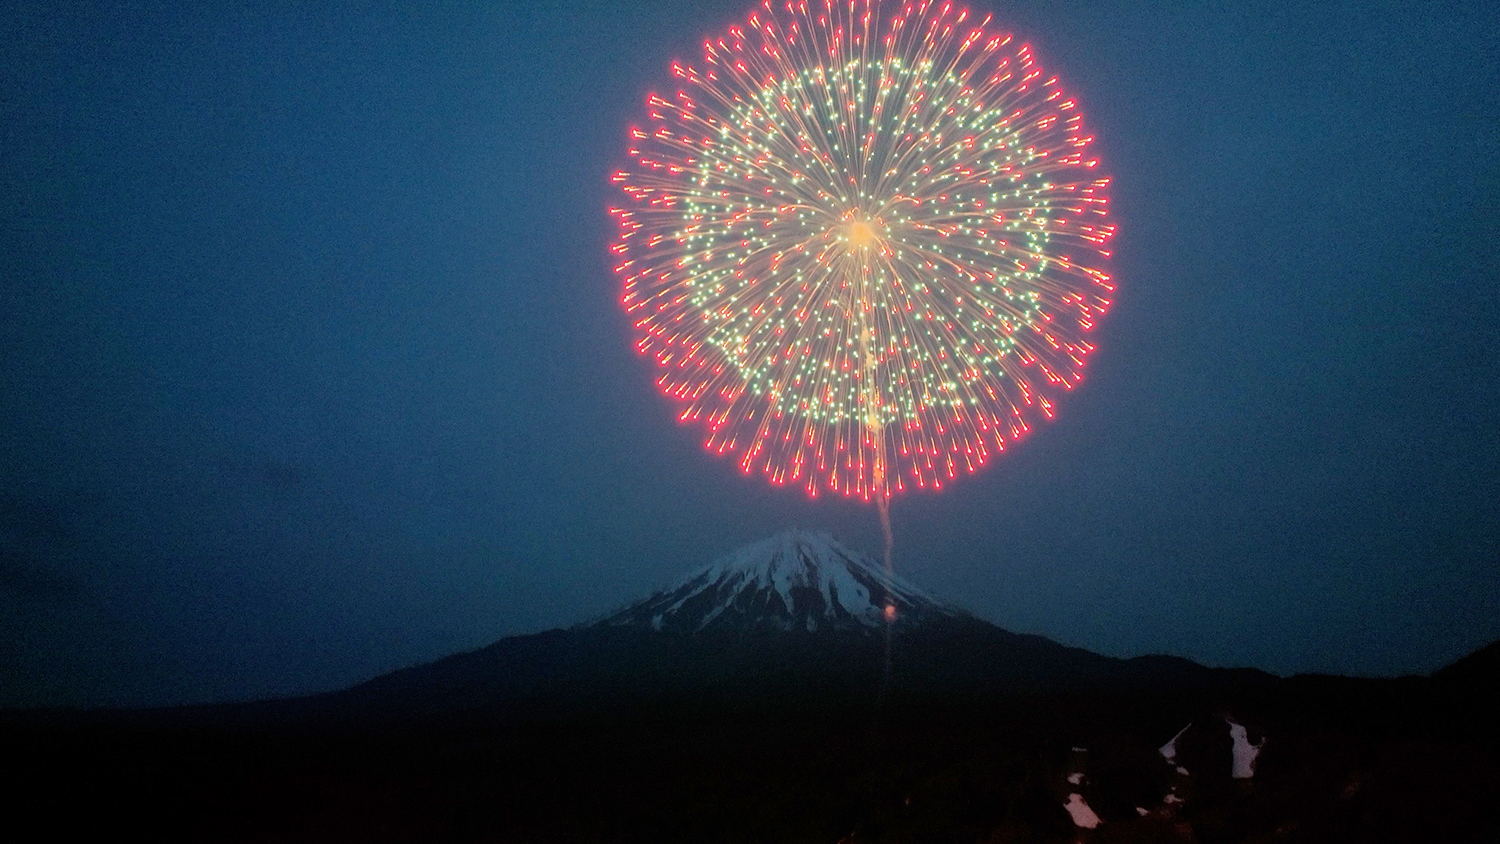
x: 797, y: 580
x: 791, y: 616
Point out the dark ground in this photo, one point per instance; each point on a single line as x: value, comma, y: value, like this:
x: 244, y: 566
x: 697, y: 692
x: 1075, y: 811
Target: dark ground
x: 1344, y: 760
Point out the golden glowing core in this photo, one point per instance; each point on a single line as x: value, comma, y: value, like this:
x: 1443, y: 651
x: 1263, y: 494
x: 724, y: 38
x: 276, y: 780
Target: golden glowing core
x: 858, y: 233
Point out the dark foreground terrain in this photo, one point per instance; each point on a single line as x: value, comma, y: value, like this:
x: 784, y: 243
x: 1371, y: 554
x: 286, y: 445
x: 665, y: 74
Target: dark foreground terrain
x: 1342, y: 760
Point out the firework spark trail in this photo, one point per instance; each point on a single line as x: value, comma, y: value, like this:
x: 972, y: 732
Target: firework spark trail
x: 864, y: 245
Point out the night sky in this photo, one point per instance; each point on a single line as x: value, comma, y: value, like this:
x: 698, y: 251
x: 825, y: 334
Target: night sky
x: 313, y: 365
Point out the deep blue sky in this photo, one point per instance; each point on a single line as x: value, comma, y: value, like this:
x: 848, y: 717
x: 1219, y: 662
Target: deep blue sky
x: 313, y: 367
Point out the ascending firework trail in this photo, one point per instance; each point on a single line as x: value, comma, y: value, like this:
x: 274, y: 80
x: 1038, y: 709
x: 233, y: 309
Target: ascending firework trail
x: 864, y: 244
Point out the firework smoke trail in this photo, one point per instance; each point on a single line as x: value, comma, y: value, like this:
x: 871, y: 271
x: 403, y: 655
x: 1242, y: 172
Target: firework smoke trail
x: 864, y: 245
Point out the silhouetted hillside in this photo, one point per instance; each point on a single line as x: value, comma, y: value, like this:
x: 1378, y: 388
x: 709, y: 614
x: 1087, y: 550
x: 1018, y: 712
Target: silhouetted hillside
x: 802, y: 716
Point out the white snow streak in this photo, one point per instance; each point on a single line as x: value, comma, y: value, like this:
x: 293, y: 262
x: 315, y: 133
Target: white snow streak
x: 1083, y: 816
x: 1169, y: 750
x: 1244, y: 751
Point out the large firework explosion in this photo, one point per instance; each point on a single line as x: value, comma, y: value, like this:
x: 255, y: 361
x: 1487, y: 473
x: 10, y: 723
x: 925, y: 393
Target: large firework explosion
x: 864, y: 243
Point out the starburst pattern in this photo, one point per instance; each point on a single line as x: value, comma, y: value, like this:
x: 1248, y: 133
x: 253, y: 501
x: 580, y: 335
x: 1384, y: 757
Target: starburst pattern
x: 864, y: 243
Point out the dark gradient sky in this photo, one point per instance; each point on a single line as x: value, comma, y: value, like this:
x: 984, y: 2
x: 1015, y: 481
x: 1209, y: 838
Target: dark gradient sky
x: 313, y: 367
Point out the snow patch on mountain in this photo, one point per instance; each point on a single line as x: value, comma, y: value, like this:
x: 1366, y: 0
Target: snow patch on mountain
x: 797, y: 580
x: 1202, y: 741
x: 1245, y: 753
x: 1169, y: 750
x: 1083, y: 815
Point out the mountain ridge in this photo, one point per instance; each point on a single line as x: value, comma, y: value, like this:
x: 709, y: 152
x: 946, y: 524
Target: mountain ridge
x: 732, y: 710
x: 797, y: 579
x: 794, y: 615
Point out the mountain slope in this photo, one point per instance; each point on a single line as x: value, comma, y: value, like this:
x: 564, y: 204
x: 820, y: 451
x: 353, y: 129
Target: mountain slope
x: 796, y: 615
x: 797, y: 580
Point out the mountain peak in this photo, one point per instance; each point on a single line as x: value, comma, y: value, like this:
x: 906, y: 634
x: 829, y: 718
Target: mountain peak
x: 795, y: 580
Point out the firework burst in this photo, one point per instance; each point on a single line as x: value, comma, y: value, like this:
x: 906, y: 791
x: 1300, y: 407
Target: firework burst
x: 864, y: 243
